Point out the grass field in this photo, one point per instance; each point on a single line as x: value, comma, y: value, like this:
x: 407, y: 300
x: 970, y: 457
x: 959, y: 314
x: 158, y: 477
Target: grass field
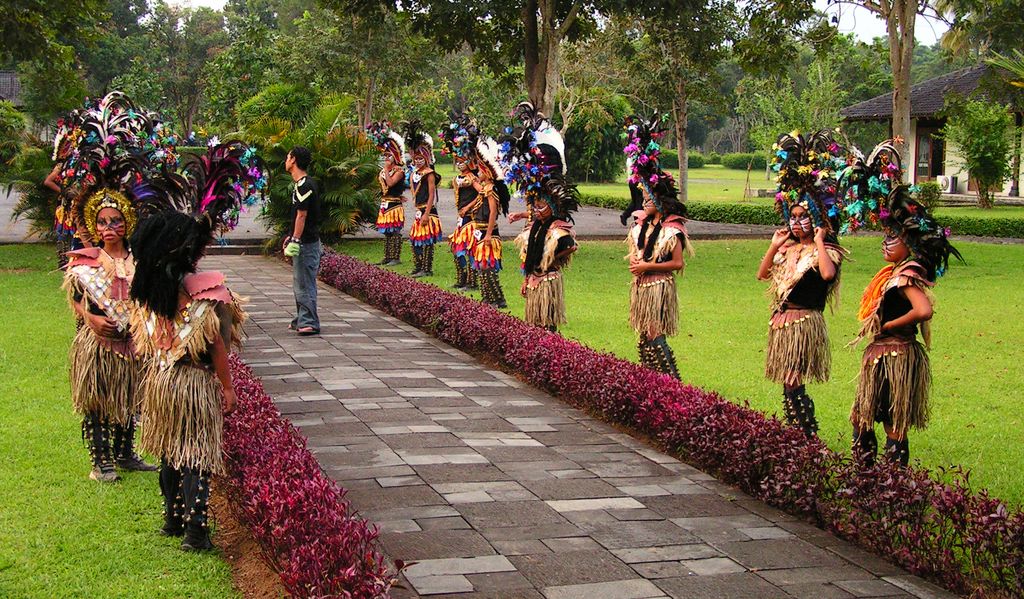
x: 977, y: 419
x: 61, y: 534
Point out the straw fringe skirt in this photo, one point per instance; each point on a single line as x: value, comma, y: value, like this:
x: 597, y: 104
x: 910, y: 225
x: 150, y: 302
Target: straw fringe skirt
x: 545, y: 300
x: 800, y: 346
x: 102, y: 381
x: 654, y: 306
x: 182, y: 421
x: 894, y: 384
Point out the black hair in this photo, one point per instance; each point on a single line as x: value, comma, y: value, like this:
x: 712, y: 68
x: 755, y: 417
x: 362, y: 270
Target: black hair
x: 302, y: 157
x: 166, y: 247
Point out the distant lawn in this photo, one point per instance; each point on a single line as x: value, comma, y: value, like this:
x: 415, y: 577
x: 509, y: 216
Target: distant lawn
x: 61, y: 534
x: 712, y: 183
x: 975, y: 212
x: 978, y: 420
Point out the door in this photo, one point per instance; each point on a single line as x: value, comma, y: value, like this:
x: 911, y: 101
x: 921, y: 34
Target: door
x: 930, y: 155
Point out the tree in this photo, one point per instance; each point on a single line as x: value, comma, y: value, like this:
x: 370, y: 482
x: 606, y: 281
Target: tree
x: 12, y: 133
x: 981, y: 132
x: 900, y: 18
x: 244, y: 68
x: 37, y: 29
x: 504, y: 34
x: 118, y: 41
x: 50, y: 89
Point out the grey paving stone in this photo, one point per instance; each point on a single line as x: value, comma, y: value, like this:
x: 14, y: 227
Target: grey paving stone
x: 572, y: 567
x: 745, y: 585
x: 666, y: 553
x: 513, y: 513
x: 444, y: 523
x: 459, y: 565
x: 519, y: 547
x: 779, y: 553
x: 394, y: 497
x: 500, y: 582
x: 433, y: 544
x: 712, y: 566
x: 816, y: 590
x: 809, y: 575
x: 867, y: 588
x: 693, y: 506
x: 619, y: 589
x: 620, y: 535
x: 605, y: 503
x: 918, y: 588
x: 437, y: 474
x: 571, y: 544
x: 572, y: 488
x: 436, y: 585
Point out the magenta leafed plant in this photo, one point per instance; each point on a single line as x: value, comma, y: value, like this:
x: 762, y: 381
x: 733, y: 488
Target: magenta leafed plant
x: 297, y: 515
x: 965, y: 540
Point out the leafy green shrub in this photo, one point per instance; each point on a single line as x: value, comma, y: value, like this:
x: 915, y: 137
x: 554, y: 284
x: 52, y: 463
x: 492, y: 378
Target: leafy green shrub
x: 285, y: 101
x: 983, y: 227
x: 713, y: 158
x: 981, y: 131
x: 929, y: 193
x: 670, y: 160
x: 12, y: 129
x: 593, y: 144
x: 695, y: 160
x: 440, y: 158
x: 742, y: 160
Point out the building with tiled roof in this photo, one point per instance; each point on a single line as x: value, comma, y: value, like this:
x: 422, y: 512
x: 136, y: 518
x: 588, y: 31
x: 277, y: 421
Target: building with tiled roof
x: 10, y: 88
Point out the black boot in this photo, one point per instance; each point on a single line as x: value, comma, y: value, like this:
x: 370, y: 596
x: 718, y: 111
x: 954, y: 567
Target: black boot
x: 789, y: 402
x: 396, y: 250
x: 427, y: 267
x: 472, y: 280
x: 897, y: 451
x: 646, y: 352
x: 489, y: 278
x: 387, y: 250
x: 664, y: 359
x: 804, y: 406
x: 170, y: 488
x: 485, y: 286
x: 417, y: 261
x: 461, y: 275
x: 96, y: 433
x: 124, y: 449
x: 195, y: 487
x: 865, y: 446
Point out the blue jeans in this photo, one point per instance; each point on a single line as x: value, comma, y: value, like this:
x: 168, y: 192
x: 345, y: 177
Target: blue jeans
x: 304, y: 270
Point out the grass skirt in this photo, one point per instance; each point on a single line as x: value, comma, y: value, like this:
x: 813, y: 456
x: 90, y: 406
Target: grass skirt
x: 426, y: 231
x: 798, y: 343
x: 894, y: 382
x: 461, y: 241
x: 654, y: 305
x: 392, y: 218
x: 545, y: 300
x: 487, y: 256
x: 182, y: 421
x: 103, y: 380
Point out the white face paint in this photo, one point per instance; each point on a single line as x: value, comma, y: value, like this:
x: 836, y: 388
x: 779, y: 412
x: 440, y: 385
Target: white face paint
x: 419, y: 162
x: 894, y: 249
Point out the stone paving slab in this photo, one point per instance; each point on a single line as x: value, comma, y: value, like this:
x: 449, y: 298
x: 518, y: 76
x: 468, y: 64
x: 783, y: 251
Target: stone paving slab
x: 496, y: 489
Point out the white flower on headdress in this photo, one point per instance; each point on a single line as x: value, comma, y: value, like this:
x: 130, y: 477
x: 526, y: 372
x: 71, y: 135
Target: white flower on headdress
x: 214, y: 141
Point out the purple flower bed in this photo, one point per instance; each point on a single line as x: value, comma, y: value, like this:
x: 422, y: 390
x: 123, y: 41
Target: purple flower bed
x: 298, y: 516
x: 965, y: 540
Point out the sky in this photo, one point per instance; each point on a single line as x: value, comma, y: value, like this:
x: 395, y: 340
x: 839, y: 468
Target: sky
x: 857, y: 20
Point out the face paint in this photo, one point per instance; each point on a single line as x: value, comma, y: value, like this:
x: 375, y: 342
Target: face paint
x: 800, y: 224
x: 893, y: 248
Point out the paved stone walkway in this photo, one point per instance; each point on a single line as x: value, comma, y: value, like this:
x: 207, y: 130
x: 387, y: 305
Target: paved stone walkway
x: 496, y: 489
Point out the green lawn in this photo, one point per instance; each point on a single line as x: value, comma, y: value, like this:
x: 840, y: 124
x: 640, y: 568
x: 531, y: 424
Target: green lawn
x: 977, y: 419
x: 61, y: 534
x: 996, y: 212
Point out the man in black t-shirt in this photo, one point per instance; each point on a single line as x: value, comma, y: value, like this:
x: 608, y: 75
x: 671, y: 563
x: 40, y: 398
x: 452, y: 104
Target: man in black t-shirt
x: 303, y: 245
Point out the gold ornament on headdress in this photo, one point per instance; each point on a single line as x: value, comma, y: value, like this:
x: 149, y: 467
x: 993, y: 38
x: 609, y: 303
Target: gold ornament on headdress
x: 108, y: 198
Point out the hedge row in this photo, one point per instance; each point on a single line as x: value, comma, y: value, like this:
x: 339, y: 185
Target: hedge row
x: 762, y: 214
x: 670, y: 160
x: 968, y: 541
x: 299, y: 517
x: 743, y: 160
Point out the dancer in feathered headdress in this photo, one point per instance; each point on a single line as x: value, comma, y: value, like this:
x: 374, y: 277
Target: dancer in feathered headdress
x: 426, y: 228
x: 656, y: 244
x: 895, y: 376
x: 105, y: 168
x: 391, y: 218
x: 803, y: 263
x: 459, y: 139
x: 535, y: 154
x: 185, y: 323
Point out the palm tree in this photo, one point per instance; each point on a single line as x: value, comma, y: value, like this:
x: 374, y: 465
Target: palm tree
x: 1013, y: 64
x: 36, y: 203
x: 344, y: 164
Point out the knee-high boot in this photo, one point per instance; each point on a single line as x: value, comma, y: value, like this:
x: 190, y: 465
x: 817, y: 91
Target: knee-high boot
x: 170, y: 488
x: 387, y: 250
x: 789, y: 406
x: 417, y: 260
x: 805, y: 412
x: 195, y: 493
x: 897, y: 451
x: 472, y: 277
x: 96, y: 433
x: 495, y: 296
x: 485, y: 286
x: 865, y: 446
x: 124, y: 449
x: 646, y: 352
x: 460, y: 274
x: 664, y: 359
x: 396, y: 252
x: 427, y: 269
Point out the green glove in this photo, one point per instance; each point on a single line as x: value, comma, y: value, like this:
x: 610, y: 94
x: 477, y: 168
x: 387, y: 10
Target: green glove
x: 292, y: 249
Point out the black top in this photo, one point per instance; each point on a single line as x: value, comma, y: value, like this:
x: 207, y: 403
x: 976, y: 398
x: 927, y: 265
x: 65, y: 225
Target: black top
x: 894, y: 305
x: 423, y: 191
x: 811, y: 291
x: 306, y: 196
x: 655, y: 232
x: 396, y: 190
x: 483, y: 214
x: 465, y: 196
x: 535, y: 247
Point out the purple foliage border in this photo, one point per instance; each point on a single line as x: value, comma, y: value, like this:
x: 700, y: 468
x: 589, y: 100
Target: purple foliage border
x: 966, y: 540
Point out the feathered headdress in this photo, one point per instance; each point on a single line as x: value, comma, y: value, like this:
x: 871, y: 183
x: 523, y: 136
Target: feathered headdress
x: 387, y: 140
x: 418, y: 141
x: 533, y: 157
x: 864, y: 186
x: 487, y: 153
x: 643, y: 154
x: 459, y: 136
x: 807, y: 170
x: 873, y: 195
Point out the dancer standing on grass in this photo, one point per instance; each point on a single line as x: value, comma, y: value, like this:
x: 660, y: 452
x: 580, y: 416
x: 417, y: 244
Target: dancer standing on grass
x: 391, y: 218
x: 533, y: 155
x: 494, y: 199
x: 656, y: 245
x: 459, y: 139
x: 426, y: 227
x: 185, y: 325
x: 104, y: 163
x: 803, y: 264
x: 895, y: 376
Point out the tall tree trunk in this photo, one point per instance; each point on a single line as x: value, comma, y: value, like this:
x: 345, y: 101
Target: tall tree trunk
x: 531, y: 53
x: 1015, y: 174
x: 680, y: 110
x: 900, y: 26
x: 366, y: 116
